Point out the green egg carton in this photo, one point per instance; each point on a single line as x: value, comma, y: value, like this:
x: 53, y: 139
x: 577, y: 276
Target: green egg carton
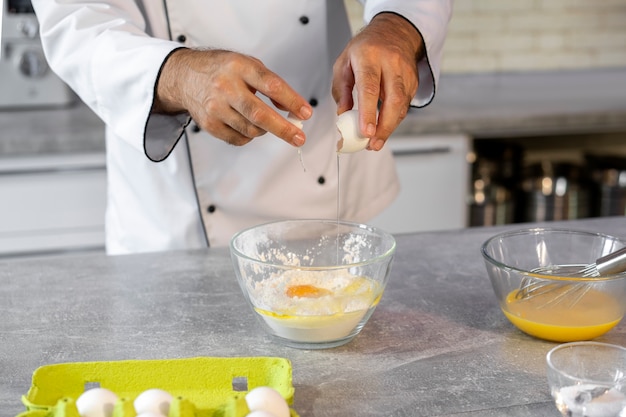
x: 201, y: 387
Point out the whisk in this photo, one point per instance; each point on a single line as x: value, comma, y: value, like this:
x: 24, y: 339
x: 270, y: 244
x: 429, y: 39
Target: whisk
x: 531, y: 286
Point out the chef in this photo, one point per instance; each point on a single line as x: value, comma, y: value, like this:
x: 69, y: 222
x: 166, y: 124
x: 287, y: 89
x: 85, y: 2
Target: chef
x: 195, y: 97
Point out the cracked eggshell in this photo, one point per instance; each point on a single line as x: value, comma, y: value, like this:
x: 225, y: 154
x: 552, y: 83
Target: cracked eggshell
x: 295, y: 121
x: 351, y: 139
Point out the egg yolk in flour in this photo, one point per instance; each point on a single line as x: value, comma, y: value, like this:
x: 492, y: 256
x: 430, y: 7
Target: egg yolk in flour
x: 309, y: 291
x: 311, y: 306
x: 593, y: 315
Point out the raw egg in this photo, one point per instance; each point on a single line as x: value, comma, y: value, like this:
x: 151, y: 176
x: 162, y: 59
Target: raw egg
x: 96, y: 402
x: 153, y: 400
x: 260, y: 413
x: 269, y: 400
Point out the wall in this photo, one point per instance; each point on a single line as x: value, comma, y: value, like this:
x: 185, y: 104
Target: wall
x: 526, y: 35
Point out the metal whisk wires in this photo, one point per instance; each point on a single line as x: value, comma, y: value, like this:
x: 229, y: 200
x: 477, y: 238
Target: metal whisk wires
x: 556, y: 291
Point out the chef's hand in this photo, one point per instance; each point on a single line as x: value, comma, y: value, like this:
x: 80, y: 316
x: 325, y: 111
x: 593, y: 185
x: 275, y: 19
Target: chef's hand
x: 218, y: 89
x: 381, y: 62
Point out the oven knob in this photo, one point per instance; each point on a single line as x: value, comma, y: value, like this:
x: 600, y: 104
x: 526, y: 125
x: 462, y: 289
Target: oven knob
x: 33, y: 64
x: 29, y: 28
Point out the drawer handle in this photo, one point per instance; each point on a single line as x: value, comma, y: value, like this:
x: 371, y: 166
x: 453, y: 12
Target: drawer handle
x: 425, y: 151
x: 60, y: 170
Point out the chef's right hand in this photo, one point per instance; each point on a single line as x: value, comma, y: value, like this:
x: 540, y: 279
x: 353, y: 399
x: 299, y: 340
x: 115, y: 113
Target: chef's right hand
x: 218, y: 89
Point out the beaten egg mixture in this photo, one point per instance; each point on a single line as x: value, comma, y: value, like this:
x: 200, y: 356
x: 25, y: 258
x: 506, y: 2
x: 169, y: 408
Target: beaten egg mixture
x: 593, y: 315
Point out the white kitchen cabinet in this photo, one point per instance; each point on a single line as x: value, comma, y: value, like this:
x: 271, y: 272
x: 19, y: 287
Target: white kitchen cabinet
x: 56, y: 203
x: 52, y: 204
x: 434, y: 177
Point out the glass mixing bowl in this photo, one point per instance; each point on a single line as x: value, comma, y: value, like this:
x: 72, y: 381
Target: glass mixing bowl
x: 534, y: 274
x: 312, y: 284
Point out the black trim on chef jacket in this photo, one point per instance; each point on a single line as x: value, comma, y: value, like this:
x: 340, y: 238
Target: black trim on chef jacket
x: 167, y: 19
x: 193, y: 177
x: 424, y: 55
x: 195, y: 192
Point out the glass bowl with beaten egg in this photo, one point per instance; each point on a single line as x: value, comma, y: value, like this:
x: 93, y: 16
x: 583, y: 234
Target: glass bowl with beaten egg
x: 547, y: 285
x: 312, y: 284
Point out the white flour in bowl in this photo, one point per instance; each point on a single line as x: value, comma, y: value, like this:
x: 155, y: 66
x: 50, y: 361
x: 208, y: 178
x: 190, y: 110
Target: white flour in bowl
x: 314, y: 306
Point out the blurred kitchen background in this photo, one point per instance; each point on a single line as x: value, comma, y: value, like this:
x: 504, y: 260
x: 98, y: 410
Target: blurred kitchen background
x: 529, y: 124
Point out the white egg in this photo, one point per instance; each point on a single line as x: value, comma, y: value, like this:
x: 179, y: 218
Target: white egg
x: 269, y: 400
x: 260, y: 413
x: 150, y: 414
x: 96, y: 402
x: 153, y: 400
x: 351, y: 138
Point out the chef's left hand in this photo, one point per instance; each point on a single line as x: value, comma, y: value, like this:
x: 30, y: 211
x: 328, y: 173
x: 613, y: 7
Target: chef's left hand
x: 381, y: 62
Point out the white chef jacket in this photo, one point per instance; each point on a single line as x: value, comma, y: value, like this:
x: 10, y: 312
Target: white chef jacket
x: 173, y: 187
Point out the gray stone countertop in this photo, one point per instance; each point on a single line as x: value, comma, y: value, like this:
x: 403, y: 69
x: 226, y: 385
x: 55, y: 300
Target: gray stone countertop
x: 479, y: 105
x: 437, y: 344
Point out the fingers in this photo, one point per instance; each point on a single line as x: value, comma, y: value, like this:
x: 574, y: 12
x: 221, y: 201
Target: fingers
x: 348, y: 75
x: 377, y: 82
x: 343, y: 84
x: 396, y: 94
x: 233, y: 128
x: 384, y: 92
x: 220, y: 90
x: 380, y: 65
x: 242, y: 123
x: 367, y: 80
x: 260, y: 79
x: 257, y: 115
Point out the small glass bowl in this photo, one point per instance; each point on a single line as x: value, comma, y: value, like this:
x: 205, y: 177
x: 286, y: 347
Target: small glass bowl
x: 588, y: 379
x: 313, y: 284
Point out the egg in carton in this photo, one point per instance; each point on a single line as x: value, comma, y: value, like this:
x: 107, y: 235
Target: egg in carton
x: 189, y: 387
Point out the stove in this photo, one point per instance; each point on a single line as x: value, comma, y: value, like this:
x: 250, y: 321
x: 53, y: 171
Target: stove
x: 26, y: 80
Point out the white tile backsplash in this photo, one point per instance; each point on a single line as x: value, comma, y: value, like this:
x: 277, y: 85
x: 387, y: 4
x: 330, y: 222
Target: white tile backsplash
x: 527, y: 35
